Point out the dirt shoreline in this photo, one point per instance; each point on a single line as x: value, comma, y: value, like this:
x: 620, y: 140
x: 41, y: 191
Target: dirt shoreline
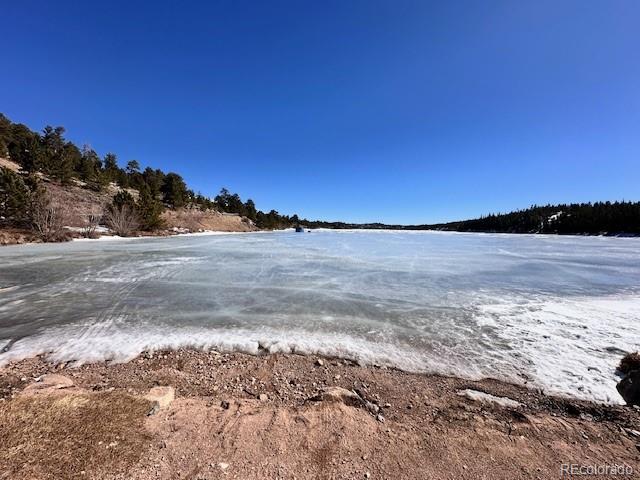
x: 279, y: 416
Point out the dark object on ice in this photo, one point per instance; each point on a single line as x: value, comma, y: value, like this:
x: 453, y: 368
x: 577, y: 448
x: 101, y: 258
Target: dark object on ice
x: 630, y: 362
x: 299, y: 229
x: 629, y: 387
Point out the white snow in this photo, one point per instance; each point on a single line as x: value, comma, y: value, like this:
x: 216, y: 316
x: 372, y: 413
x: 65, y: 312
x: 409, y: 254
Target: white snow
x: 483, y: 397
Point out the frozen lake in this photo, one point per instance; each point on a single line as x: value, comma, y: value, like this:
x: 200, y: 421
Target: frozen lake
x: 556, y: 311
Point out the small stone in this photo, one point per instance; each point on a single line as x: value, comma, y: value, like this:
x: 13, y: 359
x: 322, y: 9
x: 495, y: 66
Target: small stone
x: 162, y: 395
x: 339, y: 394
x: 155, y: 408
x: 223, y: 466
x: 337, y: 377
x: 634, y: 433
x: 380, y: 418
x: 629, y: 388
x: 320, y: 362
x: 367, y: 475
x: 224, y: 404
x: 51, y: 381
x: 263, y: 397
x: 372, y: 407
x: 387, y: 405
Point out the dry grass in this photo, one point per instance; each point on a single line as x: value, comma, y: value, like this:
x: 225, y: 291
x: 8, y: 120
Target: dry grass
x: 195, y: 220
x: 61, y: 436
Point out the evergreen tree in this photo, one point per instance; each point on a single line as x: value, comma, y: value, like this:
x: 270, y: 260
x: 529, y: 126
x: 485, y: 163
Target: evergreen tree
x: 149, y: 209
x: 133, y: 167
x: 123, y: 198
x: 24, y: 148
x: 111, y: 167
x: 250, y: 210
x: 14, y: 197
x: 174, y: 190
x: 5, y: 135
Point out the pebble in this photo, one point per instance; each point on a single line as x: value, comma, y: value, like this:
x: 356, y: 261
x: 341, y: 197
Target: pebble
x: 223, y: 466
x: 263, y: 397
x: 367, y: 475
x: 380, y: 418
x: 320, y: 362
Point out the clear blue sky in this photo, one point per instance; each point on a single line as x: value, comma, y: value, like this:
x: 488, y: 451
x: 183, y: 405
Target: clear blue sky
x: 398, y: 111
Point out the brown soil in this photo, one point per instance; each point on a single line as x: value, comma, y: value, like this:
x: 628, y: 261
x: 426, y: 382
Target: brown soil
x: 80, y: 202
x: 248, y: 417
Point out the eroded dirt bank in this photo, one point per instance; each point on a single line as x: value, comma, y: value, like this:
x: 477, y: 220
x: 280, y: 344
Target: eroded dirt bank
x: 279, y: 416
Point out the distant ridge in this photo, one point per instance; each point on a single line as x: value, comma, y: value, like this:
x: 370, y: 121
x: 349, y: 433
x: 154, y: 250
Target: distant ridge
x: 600, y: 218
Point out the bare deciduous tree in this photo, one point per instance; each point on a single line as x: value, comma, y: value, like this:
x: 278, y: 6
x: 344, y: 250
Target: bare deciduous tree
x: 47, y: 218
x: 122, y: 220
x: 91, y: 222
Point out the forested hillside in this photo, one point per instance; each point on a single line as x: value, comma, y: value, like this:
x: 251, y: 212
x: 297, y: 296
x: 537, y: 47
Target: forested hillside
x: 607, y: 218
x: 139, y: 196
x: 576, y: 218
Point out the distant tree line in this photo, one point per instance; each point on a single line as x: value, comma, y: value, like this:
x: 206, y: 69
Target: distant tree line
x: 607, y: 218
x: 51, y: 154
x: 575, y: 218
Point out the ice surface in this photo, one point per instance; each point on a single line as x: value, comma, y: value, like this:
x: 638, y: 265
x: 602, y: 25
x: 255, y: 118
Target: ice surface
x: 556, y: 312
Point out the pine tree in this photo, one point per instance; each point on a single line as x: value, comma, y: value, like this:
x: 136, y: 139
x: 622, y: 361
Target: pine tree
x: 14, y: 197
x: 174, y: 190
x: 149, y: 209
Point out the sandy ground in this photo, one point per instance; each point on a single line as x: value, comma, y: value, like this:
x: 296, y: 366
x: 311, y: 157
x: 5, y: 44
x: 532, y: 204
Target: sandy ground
x: 196, y: 220
x: 256, y: 417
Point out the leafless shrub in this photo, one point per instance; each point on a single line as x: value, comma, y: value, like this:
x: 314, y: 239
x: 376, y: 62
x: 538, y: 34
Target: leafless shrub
x: 631, y: 361
x: 90, y: 226
x: 47, y: 218
x: 122, y: 220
